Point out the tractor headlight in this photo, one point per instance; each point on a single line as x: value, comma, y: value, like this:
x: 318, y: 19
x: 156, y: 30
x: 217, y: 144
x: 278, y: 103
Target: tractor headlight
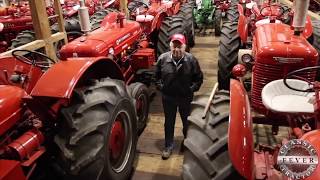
x: 1, y: 26
x: 246, y: 58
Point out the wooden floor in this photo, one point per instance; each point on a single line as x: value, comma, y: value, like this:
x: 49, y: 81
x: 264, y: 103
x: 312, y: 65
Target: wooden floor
x: 150, y: 166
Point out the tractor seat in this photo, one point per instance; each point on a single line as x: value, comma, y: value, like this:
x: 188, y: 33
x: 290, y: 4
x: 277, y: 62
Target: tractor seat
x: 144, y: 18
x: 277, y: 97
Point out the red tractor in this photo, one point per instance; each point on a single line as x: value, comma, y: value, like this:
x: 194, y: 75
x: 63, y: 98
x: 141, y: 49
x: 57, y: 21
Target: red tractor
x: 133, y: 44
x: 220, y: 142
x: 238, y: 36
x: 79, y: 118
x: 18, y: 24
x: 14, y: 19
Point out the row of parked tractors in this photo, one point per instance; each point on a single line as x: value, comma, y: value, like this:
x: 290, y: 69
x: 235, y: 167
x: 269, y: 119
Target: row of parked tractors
x: 267, y: 71
x: 80, y: 117
x: 17, y: 21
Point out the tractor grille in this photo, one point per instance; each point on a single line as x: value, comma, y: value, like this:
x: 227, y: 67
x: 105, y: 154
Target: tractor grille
x: 265, y: 73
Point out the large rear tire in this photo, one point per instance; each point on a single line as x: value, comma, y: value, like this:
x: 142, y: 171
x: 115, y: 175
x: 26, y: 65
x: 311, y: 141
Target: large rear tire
x: 170, y: 26
x: 315, y: 40
x: 217, y: 22
x: 98, y: 17
x: 98, y: 136
x: 24, y: 37
x: 232, y: 13
x: 139, y: 92
x: 206, y: 154
x: 71, y: 25
x: 186, y: 11
x: 228, y: 53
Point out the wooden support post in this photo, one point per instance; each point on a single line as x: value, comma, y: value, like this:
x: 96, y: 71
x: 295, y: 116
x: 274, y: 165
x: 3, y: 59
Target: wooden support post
x: 58, y: 12
x: 41, y: 25
x: 6, y: 2
x: 124, y: 7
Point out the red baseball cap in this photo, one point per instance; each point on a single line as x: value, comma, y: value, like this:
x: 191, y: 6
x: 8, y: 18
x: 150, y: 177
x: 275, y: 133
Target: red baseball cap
x: 178, y: 37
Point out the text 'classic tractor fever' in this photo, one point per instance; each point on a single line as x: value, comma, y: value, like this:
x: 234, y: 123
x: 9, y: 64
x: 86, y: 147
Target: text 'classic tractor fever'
x: 79, y: 118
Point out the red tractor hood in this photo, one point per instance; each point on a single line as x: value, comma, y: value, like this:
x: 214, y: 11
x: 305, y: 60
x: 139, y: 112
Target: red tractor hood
x: 98, y: 42
x: 276, y: 43
x: 10, y: 106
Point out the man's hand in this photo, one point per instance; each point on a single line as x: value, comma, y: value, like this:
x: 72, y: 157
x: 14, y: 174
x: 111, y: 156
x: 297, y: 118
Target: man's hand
x: 159, y: 85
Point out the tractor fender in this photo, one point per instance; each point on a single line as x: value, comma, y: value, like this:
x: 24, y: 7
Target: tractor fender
x: 240, y: 9
x: 313, y: 138
x: 308, y: 30
x: 240, y: 141
x: 156, y: 23
x: 243, y: 28
x: 60, y: 79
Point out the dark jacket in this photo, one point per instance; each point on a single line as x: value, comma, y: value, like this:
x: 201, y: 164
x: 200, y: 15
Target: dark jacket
x: 179, y: 80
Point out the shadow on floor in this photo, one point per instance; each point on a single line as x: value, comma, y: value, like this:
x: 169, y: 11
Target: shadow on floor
x: 139, y: 175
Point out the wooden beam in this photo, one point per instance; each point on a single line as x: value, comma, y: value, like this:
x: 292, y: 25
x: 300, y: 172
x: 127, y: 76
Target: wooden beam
x: 39, y: 18
x: 124, y: 7
x: 6, y: 3
x: 32, y: 46
x: 41, y: 25
x: 58, y: 11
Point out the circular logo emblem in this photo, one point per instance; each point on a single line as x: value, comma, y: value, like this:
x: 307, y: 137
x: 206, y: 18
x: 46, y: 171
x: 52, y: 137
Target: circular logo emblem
x: 297, y: 159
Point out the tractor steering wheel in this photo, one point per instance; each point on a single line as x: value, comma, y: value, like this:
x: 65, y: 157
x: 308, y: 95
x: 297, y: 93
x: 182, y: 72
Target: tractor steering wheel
x: 300, y: 71
x: 34, y: 60
x: 280, y: 11
x: 133, y: 5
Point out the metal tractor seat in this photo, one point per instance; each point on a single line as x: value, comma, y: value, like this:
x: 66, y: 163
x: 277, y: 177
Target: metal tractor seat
x: 277, y: 97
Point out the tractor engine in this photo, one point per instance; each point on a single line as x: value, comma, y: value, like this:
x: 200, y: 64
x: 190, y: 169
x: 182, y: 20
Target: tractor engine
x: 277, y: 51
x: 20, y: 137
x: 112, y: 38
x: 118, y: 39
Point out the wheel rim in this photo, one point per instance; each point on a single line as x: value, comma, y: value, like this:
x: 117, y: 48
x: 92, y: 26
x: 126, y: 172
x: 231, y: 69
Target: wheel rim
x: 120, y: 142
x: 141, y: 108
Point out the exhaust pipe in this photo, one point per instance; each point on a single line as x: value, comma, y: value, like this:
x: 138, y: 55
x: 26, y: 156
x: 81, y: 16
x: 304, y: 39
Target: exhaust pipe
x: 300, y: 15
x: 83, y: 12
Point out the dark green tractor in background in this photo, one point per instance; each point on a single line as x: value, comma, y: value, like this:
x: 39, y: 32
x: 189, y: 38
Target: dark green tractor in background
x: 211, y: 14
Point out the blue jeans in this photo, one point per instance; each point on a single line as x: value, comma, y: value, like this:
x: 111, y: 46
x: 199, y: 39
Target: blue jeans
x: 170, y: 105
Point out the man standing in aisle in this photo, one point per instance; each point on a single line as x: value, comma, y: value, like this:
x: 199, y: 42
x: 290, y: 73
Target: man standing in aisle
x: 178, y: 76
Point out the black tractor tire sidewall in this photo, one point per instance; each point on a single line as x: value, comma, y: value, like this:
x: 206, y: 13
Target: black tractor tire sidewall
x: 137, y: 90
x: 126, y: 173
x: 229, y: 46
x: 217, y: 22
x: 86, y: 128
x: 206, y: 155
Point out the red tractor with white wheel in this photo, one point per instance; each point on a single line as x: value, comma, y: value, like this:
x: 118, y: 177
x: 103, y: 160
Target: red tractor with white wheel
x: 220, y: 142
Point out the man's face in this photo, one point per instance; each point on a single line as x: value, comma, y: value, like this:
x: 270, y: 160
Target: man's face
x: 177, y: 49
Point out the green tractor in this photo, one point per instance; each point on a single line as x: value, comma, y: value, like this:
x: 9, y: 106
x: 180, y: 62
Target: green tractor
x: 210, y: 14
